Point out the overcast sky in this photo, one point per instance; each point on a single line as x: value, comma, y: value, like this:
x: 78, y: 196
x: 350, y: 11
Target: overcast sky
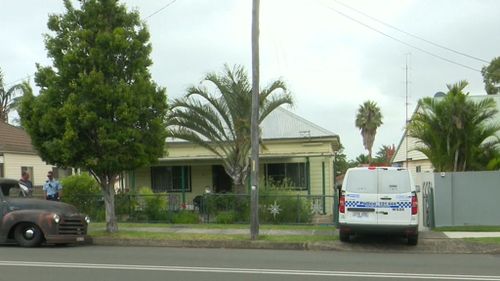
x: 331, y: 63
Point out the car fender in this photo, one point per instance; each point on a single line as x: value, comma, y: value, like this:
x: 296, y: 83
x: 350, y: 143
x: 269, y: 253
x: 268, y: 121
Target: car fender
x: 44, y: 220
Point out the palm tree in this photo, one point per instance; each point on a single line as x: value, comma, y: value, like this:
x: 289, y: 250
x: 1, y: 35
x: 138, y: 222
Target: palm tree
x: 9, y: 98
x: 221, y: 123
x: 368, y: 119
x: 456, y: 133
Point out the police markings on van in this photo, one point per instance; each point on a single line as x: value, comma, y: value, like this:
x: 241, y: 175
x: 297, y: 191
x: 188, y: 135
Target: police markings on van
x: 378, y: 199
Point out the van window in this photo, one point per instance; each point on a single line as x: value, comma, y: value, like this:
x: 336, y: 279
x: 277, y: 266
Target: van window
x: 362, y: 181
x: 394, y: 181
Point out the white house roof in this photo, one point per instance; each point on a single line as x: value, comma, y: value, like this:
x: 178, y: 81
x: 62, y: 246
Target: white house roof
x: 283, y: 124
x: 413, y: 154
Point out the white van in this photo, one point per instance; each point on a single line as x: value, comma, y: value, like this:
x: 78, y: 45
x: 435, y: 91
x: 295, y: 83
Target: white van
x: 378, y: 200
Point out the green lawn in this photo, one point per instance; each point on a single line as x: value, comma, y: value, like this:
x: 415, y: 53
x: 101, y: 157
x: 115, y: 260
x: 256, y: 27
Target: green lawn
x: 212, y: 237
x: 485, y: 240
x: 98, y: 225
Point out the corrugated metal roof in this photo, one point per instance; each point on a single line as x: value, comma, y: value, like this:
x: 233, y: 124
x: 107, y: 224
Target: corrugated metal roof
x: 14, y: 139
x: 283, y: 124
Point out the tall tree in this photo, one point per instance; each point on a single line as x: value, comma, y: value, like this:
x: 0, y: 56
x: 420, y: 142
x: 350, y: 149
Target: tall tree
x: 98, y: 108
x: 368, y: 119
x: 455, y: 132
x: 384, y: 155
x: 9, y: 98
x: 491, y: 77
x: 221, y: 123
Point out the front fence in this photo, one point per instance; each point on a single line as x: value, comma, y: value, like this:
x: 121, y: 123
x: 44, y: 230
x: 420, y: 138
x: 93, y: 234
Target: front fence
x: 211, y: 208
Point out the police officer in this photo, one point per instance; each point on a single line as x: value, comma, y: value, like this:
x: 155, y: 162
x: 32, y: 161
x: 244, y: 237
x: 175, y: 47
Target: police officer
x: 52, y: 188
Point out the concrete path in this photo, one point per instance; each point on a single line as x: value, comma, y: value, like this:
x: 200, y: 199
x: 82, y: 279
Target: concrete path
x: 457, y: 234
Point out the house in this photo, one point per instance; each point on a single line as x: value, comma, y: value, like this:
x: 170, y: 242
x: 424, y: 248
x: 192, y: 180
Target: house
x: 294, y: 149
x: 17, y: 154
x: 406, y: 154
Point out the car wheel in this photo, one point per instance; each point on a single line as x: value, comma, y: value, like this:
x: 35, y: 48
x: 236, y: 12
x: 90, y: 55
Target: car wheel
x: 28, y: 235
x: 344, y: 236
x: 413, y: 240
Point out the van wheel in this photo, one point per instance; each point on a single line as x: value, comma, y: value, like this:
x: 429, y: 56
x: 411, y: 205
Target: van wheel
x: 28, y: 235
x: 344, y: 236
x: 413, y: 240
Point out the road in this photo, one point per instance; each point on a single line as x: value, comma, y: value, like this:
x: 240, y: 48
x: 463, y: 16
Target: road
x: 92, y: 263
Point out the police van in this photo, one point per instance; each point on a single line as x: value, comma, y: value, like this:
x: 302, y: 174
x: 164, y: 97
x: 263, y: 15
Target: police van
x: 378, y: 200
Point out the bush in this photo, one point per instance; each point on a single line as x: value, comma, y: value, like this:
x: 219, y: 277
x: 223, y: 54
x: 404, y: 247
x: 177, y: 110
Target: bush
x: 185, y: 217
x: 238, y: 204
x: 292, y: 208
x: 154, y: 205
x: 84, y: 193
x: 227, y: 217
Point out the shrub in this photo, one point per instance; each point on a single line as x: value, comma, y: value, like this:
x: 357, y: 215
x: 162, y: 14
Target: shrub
x: 185, y: 217
x: 154, y: 205
x: 291, y: 207
x: 84, y: 193
x: 227, y: 217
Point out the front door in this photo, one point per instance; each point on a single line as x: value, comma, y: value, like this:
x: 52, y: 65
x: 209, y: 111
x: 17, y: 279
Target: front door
x: 221, y: 182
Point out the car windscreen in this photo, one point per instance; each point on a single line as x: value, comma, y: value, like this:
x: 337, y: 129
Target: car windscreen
x: 361, y: 181
x: 394, y: 181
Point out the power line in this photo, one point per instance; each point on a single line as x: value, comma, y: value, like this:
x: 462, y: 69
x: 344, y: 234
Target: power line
x: 161, y: 9
x: 403, y: 42
x: 410, y: 34
x: 27, y: 77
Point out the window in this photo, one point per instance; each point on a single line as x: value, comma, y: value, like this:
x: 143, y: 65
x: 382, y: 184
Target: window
x: 292, y: 175
x: 1, y: 170
x: 418, y: 169
x: 171, y: 178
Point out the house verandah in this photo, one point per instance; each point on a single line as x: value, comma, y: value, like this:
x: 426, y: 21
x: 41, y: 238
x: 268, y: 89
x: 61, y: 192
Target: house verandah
x: 294, y: 151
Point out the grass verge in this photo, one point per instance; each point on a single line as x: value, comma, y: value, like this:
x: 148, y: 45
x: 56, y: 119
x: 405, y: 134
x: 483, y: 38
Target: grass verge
x: 97, y: 225
x: 211, y: 237
x: 485, y: 240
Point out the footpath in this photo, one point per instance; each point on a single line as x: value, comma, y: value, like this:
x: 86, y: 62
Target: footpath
x: 429, y: 241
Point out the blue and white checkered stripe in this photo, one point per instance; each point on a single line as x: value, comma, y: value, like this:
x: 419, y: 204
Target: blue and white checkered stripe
x: 392, y: 205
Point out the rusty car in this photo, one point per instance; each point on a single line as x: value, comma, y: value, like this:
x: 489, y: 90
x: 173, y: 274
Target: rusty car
x: 30, y: 222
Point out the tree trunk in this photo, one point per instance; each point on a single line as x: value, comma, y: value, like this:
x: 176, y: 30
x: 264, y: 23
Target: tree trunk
x: 109, y: 203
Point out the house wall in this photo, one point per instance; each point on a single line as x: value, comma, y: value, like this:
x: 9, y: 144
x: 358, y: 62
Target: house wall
x: 14, y: 162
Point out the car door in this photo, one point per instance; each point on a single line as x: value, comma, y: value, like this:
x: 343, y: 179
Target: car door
x: 394, y: 198
x: 361, y: 196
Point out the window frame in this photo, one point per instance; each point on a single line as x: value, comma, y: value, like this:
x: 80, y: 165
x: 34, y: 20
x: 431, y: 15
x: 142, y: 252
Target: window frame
x: 169, y: 177
x: 302, y: 177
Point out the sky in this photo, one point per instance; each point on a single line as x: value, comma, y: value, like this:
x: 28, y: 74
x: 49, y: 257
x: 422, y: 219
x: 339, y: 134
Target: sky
x: 333, y: 55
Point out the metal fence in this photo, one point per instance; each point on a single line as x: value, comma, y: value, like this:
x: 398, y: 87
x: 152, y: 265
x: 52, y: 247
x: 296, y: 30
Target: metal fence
x: 211, y: 208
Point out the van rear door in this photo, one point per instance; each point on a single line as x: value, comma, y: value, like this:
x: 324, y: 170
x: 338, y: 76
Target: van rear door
x: 361, y: 196
x: 394, y: 198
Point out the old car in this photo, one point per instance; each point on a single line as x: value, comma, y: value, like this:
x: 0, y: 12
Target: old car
x: 31, y: 222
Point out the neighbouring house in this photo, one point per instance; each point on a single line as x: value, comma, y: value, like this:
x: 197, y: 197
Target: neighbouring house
x: 406, y: 154
x: 17, y: 154
x: 293, y: 149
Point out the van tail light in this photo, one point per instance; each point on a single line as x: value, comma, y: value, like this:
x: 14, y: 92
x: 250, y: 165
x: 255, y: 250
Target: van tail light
x: 342, y: 204
x: 414, y: 204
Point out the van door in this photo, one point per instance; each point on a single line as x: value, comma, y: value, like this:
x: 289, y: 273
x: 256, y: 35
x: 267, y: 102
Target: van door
x: 394, y: 199
x: 361, y: 196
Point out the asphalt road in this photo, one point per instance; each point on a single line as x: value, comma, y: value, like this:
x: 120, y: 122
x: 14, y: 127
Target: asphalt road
x: 92, y: 263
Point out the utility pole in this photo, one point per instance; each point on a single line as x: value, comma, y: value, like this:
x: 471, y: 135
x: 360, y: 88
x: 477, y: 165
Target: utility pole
x: 406, y: 109
x: 254, y: 176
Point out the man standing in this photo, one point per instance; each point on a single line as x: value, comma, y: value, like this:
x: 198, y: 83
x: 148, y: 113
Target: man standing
x: 25, y: 184
x: 52, y: 188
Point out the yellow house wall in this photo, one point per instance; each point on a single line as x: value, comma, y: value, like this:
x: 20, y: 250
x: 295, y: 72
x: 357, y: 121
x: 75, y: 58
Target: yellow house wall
x: 14, y: 162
